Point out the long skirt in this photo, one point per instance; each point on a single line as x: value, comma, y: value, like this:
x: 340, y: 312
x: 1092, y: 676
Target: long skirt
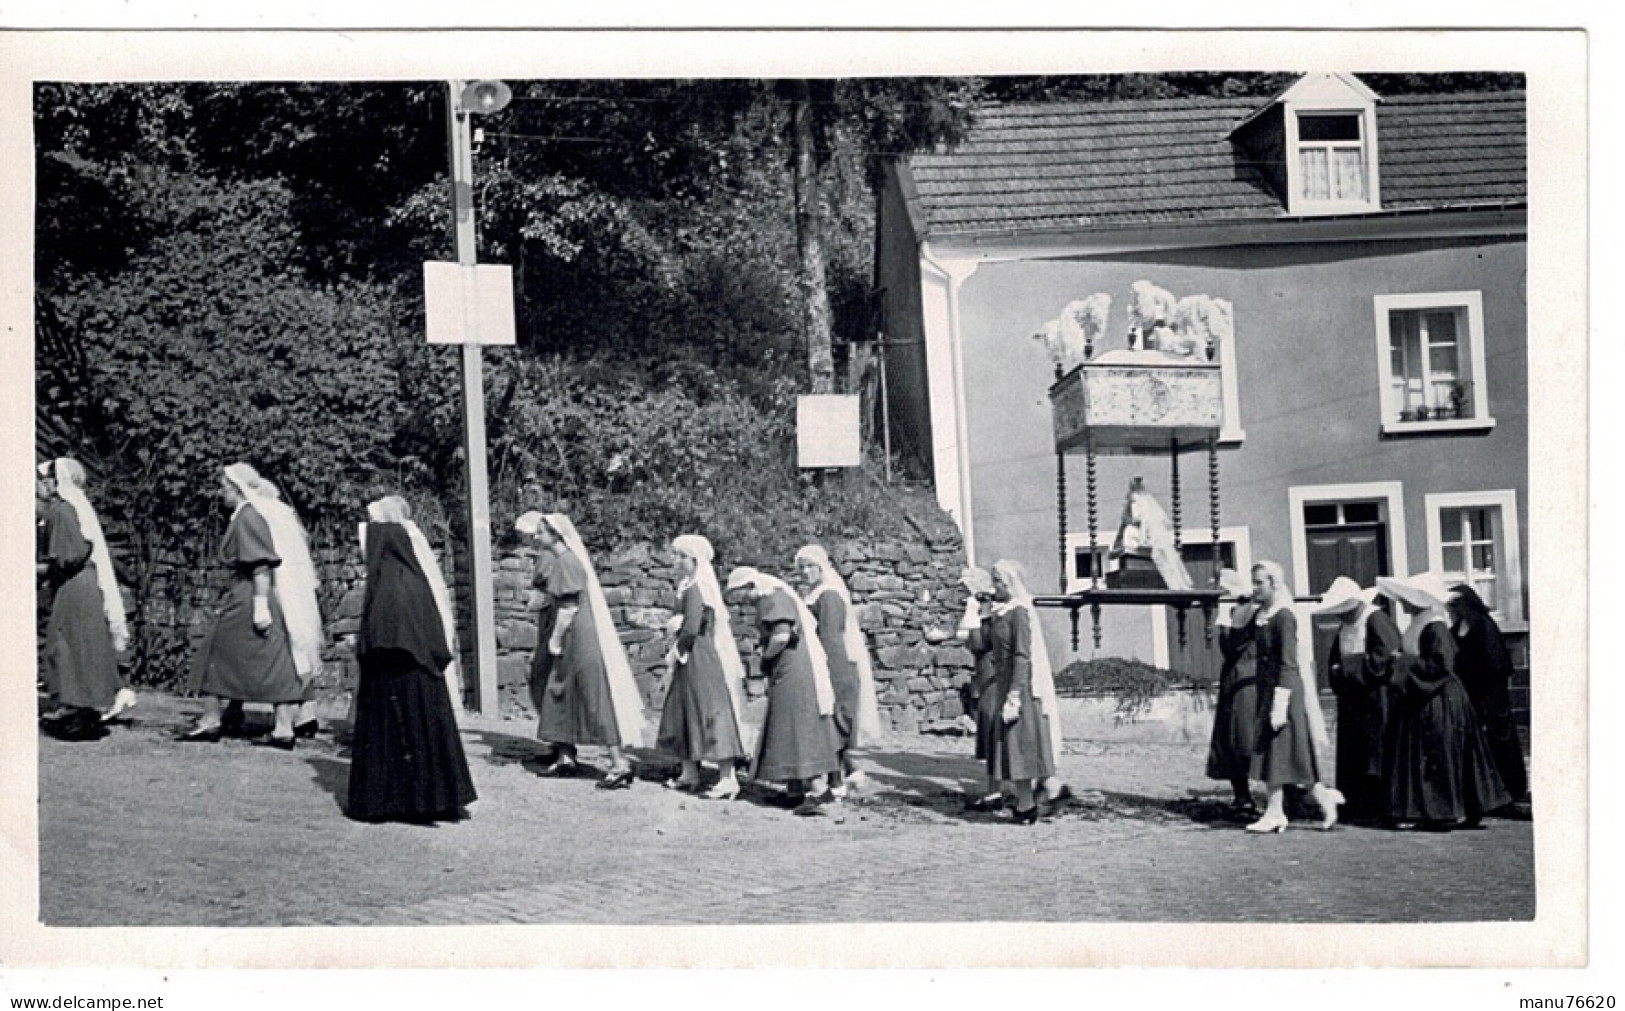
x: 1235, y: 727
x: 406, y: 758
x: 79, y: 667
x: 988, y: 724
x: 1493, y: 703
x: 797, y: 743
x: 1439, y: 768
x: 1362, y: 721
x: 1285, y: 757
x: 238, y: 662
x: 572, y: 690
x: 843, y: 678
x: 697, y: 723
x: 1021, y: 750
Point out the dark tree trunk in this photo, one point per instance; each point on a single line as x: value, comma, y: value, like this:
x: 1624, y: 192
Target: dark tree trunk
x: 815, y: 308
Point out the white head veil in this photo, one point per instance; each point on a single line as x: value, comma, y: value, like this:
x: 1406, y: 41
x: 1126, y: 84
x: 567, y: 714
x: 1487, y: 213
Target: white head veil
x: 395, y: 509
x: 722, y: 634
x: 765, y: 584
x: 866, y: 721
x: 1305, y: 615
x: 70, y: 487
x: 1043, y: 674
x: 296, y: 581
x: 624, y: 697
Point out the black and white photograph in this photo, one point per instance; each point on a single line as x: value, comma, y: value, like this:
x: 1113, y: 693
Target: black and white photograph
x: 958, y: 509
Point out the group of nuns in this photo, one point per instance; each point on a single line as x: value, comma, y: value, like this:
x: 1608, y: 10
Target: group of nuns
x: 1425, y: 734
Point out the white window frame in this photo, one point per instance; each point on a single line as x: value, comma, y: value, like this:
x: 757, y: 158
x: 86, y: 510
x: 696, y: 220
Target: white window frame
x: 1302, y: 206
x: 1390, y: 492
x: 1471, y: 303
x: 1509, y: 565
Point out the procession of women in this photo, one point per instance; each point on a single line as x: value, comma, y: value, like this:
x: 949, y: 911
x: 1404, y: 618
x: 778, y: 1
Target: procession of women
x: 1424, y: 735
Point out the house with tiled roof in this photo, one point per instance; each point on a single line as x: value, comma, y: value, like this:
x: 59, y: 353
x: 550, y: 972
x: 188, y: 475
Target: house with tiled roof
x: 1371, y: 250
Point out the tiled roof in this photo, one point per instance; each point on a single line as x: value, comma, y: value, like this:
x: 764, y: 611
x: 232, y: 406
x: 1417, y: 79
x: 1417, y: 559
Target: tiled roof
x: 1096, y: 164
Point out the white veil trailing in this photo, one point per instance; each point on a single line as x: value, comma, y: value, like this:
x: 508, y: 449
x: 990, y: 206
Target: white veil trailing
x: 623, y: 687
x: 866, y: 721
x: 1043, y: 673
x: 70, y: 488
x: 765, y: 584
x: 395, y: 509
x: 296, y: 581
x: 722, y: 635
x: 1305, y: 615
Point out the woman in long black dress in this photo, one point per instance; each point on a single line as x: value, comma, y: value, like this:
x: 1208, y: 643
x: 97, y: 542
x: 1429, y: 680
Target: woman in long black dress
x: 851, y: 671
x: 86, y: 630
x: 406, y: 759
x: 1439, y: 772
x: 1484, y: 666
x: 1023, y: 753
x: 976, y: 631
x: 798, y: 743
x: 1361, y: 675
x: 581, y: 679
x: 1290, y: 722
x: 258, y: 648
x: 701, y: 718
x: 1235, y: 714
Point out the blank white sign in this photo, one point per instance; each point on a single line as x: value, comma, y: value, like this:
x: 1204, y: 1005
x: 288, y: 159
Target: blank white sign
x: 468, y: 303
x: 827, y: 431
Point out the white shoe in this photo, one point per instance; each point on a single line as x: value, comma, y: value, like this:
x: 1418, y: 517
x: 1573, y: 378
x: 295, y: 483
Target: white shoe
x: 839, y: 791
x: 1328, y: 799
x: 122, y: 702
x: 857, y: 779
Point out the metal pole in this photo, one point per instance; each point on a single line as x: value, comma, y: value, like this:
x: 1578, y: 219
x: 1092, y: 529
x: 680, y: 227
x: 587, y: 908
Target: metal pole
x: 482, y: 610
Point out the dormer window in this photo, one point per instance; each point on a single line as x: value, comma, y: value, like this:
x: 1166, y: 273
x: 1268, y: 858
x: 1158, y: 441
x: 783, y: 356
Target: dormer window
x: 1316, y: 146
x: 1331, y: 157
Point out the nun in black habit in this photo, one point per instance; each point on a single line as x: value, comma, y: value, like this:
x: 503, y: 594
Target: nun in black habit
x: 407, y: 762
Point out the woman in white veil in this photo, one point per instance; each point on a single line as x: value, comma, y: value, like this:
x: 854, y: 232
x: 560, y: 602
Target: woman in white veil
x: 702, y: 719
x: 87, y: 629
x: 582, y: 679
x: 798, y: 743
x: 1024, y: 751
x: 851, y: 671
x: 250, y: 653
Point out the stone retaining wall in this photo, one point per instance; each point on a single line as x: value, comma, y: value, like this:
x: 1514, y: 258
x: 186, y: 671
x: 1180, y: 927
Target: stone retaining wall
x: 907, y: 596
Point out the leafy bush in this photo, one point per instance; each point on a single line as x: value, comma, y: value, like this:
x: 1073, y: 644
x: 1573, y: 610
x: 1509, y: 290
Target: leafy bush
x: 1134, y: 683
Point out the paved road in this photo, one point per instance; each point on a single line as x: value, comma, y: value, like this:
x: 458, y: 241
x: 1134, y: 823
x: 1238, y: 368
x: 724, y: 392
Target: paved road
x: 139, y: 829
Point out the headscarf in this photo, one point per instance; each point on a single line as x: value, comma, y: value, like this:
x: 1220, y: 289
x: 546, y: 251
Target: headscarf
x: 624, y: 697
x: 722, y: 634
x: 1043, y: 676
x: 1346, y: 601
x: 296, y: 581
x: 765, y: 584
x: 866, y: 721
x: 70, y: 488
x: 395, y: 509
x: 1425, y: 594
x: 1305, y: 648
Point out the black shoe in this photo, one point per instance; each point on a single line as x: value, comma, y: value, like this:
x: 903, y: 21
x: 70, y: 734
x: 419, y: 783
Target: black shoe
x: 617, y: 781
x: 814, y: 805
x: 306, y: 729
x: 1027, y: 817
x: 983, y: 804
x: 279, y: 743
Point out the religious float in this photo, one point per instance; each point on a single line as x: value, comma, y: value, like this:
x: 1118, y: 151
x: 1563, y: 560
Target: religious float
x: 1161, y: 394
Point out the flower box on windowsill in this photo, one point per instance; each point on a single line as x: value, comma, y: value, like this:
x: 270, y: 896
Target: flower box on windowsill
x: 1435, y: 425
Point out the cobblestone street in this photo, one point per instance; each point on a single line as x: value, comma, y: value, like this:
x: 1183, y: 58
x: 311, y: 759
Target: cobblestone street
x: 138, y: 829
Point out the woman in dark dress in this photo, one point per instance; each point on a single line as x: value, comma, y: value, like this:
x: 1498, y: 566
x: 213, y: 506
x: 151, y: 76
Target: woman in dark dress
x: 581, y: 679
x: 851, y: 671
x: 247, y: 653
x: 1023, y: 754
x: 1235, y: 714
x: 1484, y: 666
x: 86, y: 630
x: 700, y: 721
x: 1438, y: 772
x: 798, y: 744
x: 406, y: 759
x: 1361, y: 673
x: 976, y: 631
x: 1290, y: 724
